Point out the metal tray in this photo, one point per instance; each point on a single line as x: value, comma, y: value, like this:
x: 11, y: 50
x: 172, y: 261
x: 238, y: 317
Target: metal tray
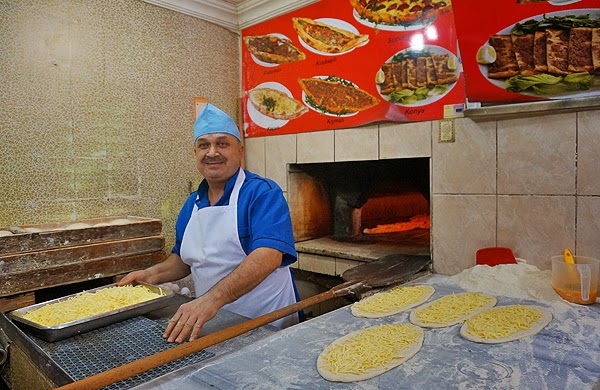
x: 69, y: 329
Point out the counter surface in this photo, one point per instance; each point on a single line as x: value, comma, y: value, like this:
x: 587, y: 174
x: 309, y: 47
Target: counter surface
x: 564, y: 355
x: 99, y: 350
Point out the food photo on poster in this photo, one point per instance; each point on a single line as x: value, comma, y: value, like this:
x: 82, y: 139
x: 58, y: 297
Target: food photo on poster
x: 341, y: 64
x: 530, y: 50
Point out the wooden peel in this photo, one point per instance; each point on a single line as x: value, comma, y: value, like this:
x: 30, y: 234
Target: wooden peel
x: 389, y: 270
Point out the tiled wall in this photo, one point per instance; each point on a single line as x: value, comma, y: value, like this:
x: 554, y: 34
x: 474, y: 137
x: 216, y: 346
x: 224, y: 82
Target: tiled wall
x: 531, y: 184
x: 97, y: 109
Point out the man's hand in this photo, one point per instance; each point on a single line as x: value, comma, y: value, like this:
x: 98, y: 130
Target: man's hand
x: 189, y: 320
x: 141, y: 276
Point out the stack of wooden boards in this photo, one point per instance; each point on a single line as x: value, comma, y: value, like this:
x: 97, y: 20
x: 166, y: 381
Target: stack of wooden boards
x: 36, y: 257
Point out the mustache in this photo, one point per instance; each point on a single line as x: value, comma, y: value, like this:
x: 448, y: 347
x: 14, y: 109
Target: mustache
x: 213, y: 160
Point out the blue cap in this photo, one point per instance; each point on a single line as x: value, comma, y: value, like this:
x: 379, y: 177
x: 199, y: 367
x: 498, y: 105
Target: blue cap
x: 212, y: 120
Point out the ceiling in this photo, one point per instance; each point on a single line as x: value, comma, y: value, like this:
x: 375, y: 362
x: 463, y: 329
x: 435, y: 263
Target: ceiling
x: 234, y: 15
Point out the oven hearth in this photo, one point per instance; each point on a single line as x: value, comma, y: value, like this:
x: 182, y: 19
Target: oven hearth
x: 339, y: 209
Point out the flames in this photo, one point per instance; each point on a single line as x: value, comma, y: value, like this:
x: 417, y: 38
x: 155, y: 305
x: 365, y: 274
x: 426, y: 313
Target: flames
x: 420, y: 221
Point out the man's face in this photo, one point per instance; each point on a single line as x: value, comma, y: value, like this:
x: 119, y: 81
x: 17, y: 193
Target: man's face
x: 218, y: 157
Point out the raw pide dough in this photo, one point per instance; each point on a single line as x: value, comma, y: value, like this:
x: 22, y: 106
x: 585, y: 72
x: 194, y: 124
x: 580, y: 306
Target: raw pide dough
x: 369, y: 352
x: 505, y: 323
x: 392, y: 301
x: 451, y: 309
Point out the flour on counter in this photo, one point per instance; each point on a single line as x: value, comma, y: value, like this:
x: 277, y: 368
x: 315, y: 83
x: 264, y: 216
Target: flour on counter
x: 509, y: 280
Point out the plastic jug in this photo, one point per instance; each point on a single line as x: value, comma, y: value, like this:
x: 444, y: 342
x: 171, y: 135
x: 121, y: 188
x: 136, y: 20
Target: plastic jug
x: 577, y: 283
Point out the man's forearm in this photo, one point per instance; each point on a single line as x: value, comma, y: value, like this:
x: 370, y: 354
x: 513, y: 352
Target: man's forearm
x: 172, y: 268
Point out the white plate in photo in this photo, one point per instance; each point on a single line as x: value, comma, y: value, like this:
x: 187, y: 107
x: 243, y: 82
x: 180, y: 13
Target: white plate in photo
x: 431, y: 49
x: 262, y: 120
x: 325, y: 112
x: 562, y: 2
x: 500, y: 83
x: 269, y: 64
x: 391, y: 27
x: 341, y: 24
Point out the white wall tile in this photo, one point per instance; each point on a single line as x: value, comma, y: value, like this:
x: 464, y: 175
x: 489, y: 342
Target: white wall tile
x: 536, y: 155
x: 461, y: 224
x: 254, y: 153
x: 588, y: 153
x: 536, y: 227
x: 361, y: 143
x: 315, y: 147
x: 280, y: 151
x: 468, y: 165
x: 315, y: 263
x: 588, y: 226
x: 404, y: 140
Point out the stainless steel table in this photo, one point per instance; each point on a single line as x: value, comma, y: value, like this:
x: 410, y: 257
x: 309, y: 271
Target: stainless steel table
x: 564, y: 355
x: 35, y: 363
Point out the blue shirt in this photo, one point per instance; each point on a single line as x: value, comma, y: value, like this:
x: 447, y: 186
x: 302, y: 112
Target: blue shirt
x: 263, y: 215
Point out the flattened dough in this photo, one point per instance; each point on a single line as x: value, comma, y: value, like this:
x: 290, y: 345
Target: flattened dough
x: 451, y: 309
x: 392, y: 301
x: 505, y: 323
x: 377, y: 349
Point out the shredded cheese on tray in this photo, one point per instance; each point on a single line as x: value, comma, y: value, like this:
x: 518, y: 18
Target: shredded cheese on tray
x: 88, y: 304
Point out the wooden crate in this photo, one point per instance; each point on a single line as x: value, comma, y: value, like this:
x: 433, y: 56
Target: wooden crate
x: 64, y: 234
x: 65, y: 253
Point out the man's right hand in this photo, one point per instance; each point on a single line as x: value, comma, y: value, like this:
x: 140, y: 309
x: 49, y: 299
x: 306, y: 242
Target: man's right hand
x: 140, y: 276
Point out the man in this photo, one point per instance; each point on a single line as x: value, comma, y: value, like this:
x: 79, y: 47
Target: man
x: 234, y: 235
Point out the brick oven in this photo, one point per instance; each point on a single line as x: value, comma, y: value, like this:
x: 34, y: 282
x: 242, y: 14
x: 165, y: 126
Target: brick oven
x: 361, y: 210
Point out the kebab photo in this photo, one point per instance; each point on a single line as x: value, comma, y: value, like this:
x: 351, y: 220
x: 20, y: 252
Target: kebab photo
x: 551, y: 55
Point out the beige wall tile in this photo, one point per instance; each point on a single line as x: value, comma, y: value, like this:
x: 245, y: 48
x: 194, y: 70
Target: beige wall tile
x: 356, y: 144
x: 315, y: 263
x: 404, y: 140
x: 468, y: 165
x: 588, y: 153
x: 84, y: 82
x: 536, y: 227
x: 461, y: 224
x: 281, y: 151
x: 588, y: 226
x: 91, y: 177
x: 536, y: 155
x: 315, y: 146
x: 254, y: 151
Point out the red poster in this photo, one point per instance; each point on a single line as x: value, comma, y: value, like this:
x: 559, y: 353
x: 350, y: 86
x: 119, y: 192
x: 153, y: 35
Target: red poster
x: 340, y: 64
x: 518, y: 50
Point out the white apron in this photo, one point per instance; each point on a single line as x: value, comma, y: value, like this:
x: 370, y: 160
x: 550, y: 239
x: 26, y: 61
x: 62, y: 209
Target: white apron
x: 212, y: 248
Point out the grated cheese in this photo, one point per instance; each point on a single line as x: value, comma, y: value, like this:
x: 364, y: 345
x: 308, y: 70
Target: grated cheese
x: 502, y: 322
x: 88, y: 304
x: 393, y: 299
x: 452, y: 308
x: 371, y: 348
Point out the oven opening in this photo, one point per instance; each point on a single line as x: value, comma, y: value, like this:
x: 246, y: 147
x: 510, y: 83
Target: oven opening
x: 382, y: 206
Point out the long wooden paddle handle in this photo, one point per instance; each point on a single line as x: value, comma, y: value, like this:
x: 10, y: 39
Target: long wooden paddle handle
x: 130, y: 369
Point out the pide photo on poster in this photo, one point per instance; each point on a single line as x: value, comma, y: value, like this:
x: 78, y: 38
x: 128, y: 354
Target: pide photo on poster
x: 524, y: 50
x: 340, y: 64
